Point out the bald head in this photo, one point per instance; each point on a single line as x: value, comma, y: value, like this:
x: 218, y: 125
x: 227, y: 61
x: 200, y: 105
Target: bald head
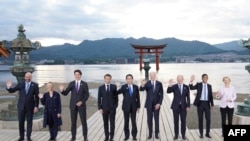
x: 152, y: 75
x: 180, y: 79
x: 28, y: 76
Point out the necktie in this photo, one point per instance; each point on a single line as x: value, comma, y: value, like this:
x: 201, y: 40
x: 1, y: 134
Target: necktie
x: 130, y: 90
x: 153, y: 85
x: 107, y: 88
x: 205, y: 92
x: 180, y: 89
x: 27, y: 87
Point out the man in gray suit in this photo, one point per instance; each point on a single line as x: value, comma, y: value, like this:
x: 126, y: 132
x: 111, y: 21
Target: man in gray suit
x: 27, y: 103
x: 79, y: 95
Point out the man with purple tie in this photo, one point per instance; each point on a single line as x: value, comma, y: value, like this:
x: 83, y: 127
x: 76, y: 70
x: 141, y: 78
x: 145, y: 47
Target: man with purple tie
x: 79, y: 95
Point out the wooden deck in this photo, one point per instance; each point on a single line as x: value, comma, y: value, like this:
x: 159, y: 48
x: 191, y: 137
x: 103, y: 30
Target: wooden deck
x: 96, y: 131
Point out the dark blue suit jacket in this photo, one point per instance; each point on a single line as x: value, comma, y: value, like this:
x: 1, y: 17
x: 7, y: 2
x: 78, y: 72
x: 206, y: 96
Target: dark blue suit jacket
x: 28, y: 101
x: 183, y: 99
x: 155, y: 97
x: 82, y: 95
x: 198, y: 87
x: 128, y: 101
x: 107, y: 101
x: 54, y: 106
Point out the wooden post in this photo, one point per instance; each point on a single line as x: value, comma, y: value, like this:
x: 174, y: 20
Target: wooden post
x: 157, y: 59
x: 140, y: 59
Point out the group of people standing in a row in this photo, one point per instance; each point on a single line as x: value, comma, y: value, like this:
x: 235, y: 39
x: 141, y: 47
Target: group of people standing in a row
x: 108, y: 101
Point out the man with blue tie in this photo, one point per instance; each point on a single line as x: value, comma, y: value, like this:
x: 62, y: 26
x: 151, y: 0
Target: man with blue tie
x: 153, y: 103
x: 130, y: 105
x: 180, y: 104
x: 27, y: 103
x: 79, y: 95
x: 107, y: 104
x: 204, y: 102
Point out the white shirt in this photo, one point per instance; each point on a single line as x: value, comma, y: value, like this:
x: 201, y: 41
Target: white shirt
x: 204, y: 98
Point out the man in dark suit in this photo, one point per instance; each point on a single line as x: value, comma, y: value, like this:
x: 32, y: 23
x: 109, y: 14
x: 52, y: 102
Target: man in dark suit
x: 27, y: 103
x: 79, y: 95
x: 107, y: 104
x: 130, y: 104
x: 153, y: 103
x: 203, y: 101
x: 180, y: 104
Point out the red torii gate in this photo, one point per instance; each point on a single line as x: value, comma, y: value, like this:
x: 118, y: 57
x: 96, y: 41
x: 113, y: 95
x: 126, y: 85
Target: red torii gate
x: 149, y: 49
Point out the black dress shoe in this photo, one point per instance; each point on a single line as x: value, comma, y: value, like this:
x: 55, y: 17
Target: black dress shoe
x: 208, y: 136
x: 126, y: 138
x: 157, y: 136
x: 201, y: 136
x: 175, y: 137
x: 72, y: 139
x: 20, y: 139
x: 149, y: 137
x: 85, y: 139
x: 184, y: 138
x: 29, y: 139
x: 106, y: 139
x: 134, y: 138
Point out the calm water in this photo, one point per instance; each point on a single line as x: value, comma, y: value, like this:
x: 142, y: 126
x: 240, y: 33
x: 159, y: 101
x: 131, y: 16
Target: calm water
x: 94, y: 73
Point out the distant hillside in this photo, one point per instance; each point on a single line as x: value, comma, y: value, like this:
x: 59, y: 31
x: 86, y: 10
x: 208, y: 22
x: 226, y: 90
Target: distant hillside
x: 230, y: 46
x: 119, y: 47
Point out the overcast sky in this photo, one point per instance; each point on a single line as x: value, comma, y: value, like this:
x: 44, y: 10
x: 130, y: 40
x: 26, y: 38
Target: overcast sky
x: 58, y: 21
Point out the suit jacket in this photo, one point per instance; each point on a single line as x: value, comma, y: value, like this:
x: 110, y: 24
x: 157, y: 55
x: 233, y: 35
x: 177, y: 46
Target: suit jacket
x: 153, y: 97
x: 198, y: 87
x: 107, y: 100
x: 54, y: 107
x: 28, y: 101
x: 130, y: 101
x: 180, y: 98
x: 82, y: 95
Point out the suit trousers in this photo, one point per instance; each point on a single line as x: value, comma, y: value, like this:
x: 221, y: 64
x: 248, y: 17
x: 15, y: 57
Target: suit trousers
x: 150, y: 114
x: 109, y: 117
x: 83, y: 116
x: 22, y: 114
x: 203, y: 107
x: 182, y: 114
x: 132, y: 115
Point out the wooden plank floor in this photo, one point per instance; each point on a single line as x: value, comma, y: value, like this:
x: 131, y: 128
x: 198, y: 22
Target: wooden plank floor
x: 96, y: 131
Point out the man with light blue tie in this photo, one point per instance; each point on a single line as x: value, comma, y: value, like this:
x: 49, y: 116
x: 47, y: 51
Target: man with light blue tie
x: 180, y: 104
x: 27, y: 103
x: 204, y: 102
x: 130, y: 105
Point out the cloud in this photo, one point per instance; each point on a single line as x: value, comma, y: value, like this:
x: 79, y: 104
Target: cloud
x: 59, y: 21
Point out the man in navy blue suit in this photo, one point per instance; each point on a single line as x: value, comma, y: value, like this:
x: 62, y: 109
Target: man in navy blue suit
x: 153, y: 103
x: 27, y: 103
x: 107, y: 104
x: 180, y: 104
x: 130, y: 105
x: 203, y: 101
